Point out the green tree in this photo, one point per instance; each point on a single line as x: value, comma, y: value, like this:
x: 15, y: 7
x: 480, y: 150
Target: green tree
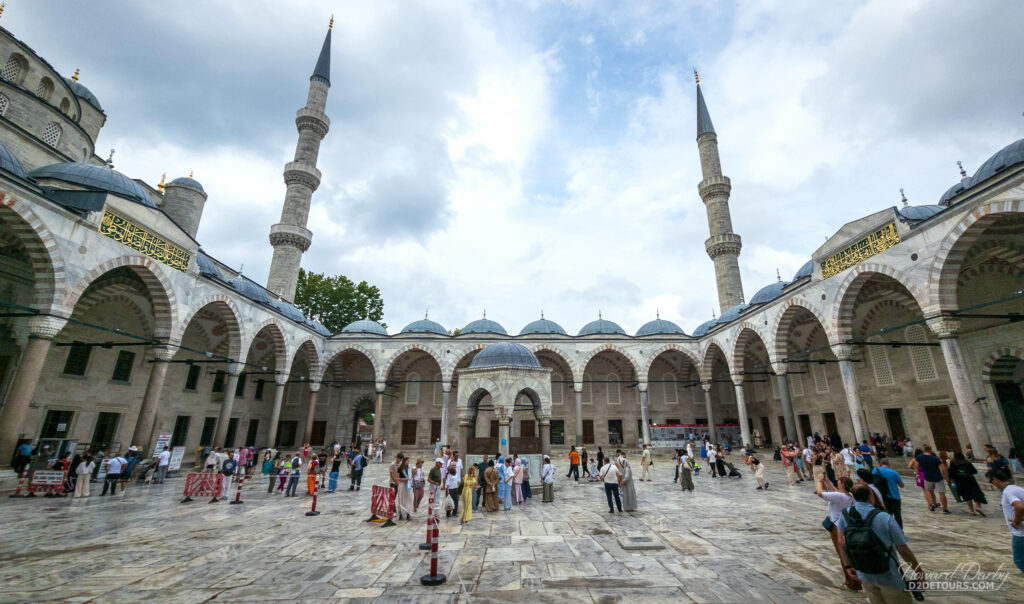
x: 336, y: 301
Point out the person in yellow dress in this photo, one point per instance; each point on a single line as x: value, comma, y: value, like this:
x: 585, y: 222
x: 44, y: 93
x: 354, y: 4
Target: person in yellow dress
x: 469, y: 484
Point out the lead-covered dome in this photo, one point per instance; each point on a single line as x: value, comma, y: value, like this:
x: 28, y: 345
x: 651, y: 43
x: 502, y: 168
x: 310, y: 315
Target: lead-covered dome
x: 425, y: 326
x: 1008, y: 156
x: 83, y: 93
x: 659, y: 326
x: 365, y: 326
x: 805, y: 271
x: 542, y: 326
x: 187, y: 181
x: 249, y: 289
x: 731, y: 314
x: 601, y: 326
x: 96, y: 177
x: 484, y: 325
x: 505, y: 354
x: 289, y: 310
x: 704, y: 328
x: 768, y: 293
x: 919, y: 213
x: 10, y: 163
x: 207, y: 267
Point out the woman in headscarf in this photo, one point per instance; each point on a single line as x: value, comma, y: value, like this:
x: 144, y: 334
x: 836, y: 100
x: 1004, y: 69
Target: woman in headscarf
x: 502, y: 485
x: 628, y: 488
x: 962, y: 472
x: 492, y: 480
x: 547, y: 477
x: 510, y: 476
x: 517, y: 481
x: 469, y: 484
x: 527, y: 492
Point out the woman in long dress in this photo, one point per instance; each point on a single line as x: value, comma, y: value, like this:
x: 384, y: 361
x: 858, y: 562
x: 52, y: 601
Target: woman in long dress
x: 403, y: 503
x: 517, y: 481
x: 502, y: 485
x: 628, y: 488
x: 527, y: 491
x: 492, y: 480
x: 962, y: 472
x: 469, y: 484
x: 509, y: 478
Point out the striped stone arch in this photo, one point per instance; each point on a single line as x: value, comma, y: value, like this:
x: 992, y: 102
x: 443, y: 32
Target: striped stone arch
x: 555, y: 350
x: 660, y: 350
x: 842, y: 308
x: 335, y: 353
x: 708, y: 360
x: 581, y: 367
x: 161, y: 291
x: 991, y: 368
x: 49, y: 276
x: 277, y: 341
x: 87, y: 303
x: 231, y: 319
x: 942, y: 284
x: 746, y: 334
x: 313, y: 363
x: 448, y: 371
x: 386, y: 369
x: 784, y: 322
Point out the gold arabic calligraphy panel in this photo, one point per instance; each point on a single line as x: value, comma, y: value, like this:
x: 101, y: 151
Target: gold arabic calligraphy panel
x: 139, y: 239
x: 876, y: 242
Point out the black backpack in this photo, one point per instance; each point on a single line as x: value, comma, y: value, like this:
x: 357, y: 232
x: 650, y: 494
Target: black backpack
x: 865, y: 550
x: 362, y: 462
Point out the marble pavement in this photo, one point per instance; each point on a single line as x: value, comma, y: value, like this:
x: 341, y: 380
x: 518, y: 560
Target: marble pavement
x: 726, y: 542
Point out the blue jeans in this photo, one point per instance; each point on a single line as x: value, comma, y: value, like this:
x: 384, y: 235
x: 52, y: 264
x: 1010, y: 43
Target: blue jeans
x: 293, y: 483
x: 1018, y: 552
x: 333, y: 482
x: 611, y: 489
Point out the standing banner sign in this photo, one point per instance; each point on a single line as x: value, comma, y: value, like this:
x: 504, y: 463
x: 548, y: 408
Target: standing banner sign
x: 162, y: 442
x: 382, y: 505
x: 103, y: 469
x: 174, y: 463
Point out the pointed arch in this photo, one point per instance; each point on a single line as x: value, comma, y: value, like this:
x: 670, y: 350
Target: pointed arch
x: 660, y: 350
x: 589, y: 356
x: 390, y: 363
x: 348, y: 347
x: 230, y: 314
x: 50, y: 278
x: 712, y: 351
x: 846, y: 295
x: 165, y: 305
x: 748, y: 331
x: 277, y: 340
x: 990, y: 367
x: 558, y: 352
x: 784, y: 322
x: 448, y: 371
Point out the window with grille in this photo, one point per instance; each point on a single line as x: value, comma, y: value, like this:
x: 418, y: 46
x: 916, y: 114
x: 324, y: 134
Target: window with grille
x: 192, y: 380
x: 123, y: 366
x: 820, y: 378
x: 45, y: 88
x: 438, y: 393
x: 218, y: 381
x: 4, y: 102
x: 65, y: 106
x: 12, y: 69
x: 51, y: 136
x: 240, y: 386
x: 587, y: 389
x: 206, y: 437
x: 879, y: 356
x: 614, y: 395
x: 180, y: 431
x: 921, y: 356
x: 670, y: 388
x: 796, y: 384
x: 412, y: 389
x: 557, y: 389
x: 260, y: 384
x: 78, y: 359
x: 106, y: 428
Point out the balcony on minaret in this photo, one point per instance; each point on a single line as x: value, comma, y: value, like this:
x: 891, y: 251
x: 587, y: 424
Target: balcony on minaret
x: 726, y: 243
x: 312, y: 119
x: 302, y: 174
x: 714, y: 186
x: 290, y: 234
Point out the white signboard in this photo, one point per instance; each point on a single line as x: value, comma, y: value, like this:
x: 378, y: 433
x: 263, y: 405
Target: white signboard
x: 47, y: 478
x: 177, y: 454
x: 162, y: 441
x: 103, y: 469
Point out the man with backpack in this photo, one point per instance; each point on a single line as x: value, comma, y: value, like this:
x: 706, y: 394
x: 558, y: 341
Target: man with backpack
x: 869, y: 540
x: 358, y: 464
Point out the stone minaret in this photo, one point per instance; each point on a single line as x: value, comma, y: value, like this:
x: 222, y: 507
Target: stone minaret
x: 290, y: 237
x: 723, y: 246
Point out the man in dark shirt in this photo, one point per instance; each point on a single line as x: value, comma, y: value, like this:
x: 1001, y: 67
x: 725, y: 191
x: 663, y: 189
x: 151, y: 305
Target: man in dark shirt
x: 478, y: 494
x: 865, y: 452
x: 357, y: 463
x: 934, y: 478
x: 434, y: 480
x: 228, y: 469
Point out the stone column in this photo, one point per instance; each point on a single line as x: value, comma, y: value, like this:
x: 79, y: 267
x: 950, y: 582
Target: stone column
x: 844, y: 353
x: 234, y: 370
x: 503, y: 432
x: 378, y: 413
x: 446, y: 395
x: 41, y: 332
x: 143, y: 433
x: 275, y: 413
x: 787, y: 403
x: 710, y: 411
x: 974, y: 419
x: 645, y: 435
x: 314, y: 391
x: 741, y: 407
x: 545, y: 435
x: 578, y: 387
x: 465, y: 430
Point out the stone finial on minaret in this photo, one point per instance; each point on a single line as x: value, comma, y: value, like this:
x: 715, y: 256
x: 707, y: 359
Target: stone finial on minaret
x: 723, y: 246
x: 290, y: 237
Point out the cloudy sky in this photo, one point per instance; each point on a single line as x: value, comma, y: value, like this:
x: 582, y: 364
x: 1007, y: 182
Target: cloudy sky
x: 519, y: 156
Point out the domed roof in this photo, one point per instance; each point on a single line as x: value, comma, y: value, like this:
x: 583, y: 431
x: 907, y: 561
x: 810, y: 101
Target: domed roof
x: 732, y: 314
x: 207, y: 267
x: 600, y: 326
x: 10, y: 163
x: 365, y: 326
x: 484, y: 325
x: 249, y: 289
x: 97, y: 177
x: 918, y: 213
x: 425, y: 326
x: 289, y: 310
x: 657, y: 326
x: 318, y: 327
x: 505, y: 354
x: 83, y: 93
x: 187, y: 182
x: 805, y: 271
x: 1008, y: 156
x: 703, y: 328
x: 542, y: 325
x: 954, y: 191
x: 768, y: 293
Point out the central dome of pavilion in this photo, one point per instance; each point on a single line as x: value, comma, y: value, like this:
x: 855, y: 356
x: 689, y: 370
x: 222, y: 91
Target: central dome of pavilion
x: 505, y: 354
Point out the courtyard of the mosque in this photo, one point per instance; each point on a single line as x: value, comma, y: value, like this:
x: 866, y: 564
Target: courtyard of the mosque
x: 725, y: 542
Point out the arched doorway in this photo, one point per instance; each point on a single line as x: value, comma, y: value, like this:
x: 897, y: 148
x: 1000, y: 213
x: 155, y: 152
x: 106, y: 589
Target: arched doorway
x: 1007, y: 378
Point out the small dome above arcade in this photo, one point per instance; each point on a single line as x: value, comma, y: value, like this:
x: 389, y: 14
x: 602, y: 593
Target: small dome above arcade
x: 505, y: 354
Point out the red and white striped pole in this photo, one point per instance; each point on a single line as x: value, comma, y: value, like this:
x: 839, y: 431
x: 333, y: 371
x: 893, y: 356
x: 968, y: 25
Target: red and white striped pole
x: 316, y: 489
x: 434, y: 578
x: 238, y: 492
x: 21, y: 483
x: 430, y: 519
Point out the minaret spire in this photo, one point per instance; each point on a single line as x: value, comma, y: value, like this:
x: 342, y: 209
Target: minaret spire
x: 290, y: 237
x: 723, y: 246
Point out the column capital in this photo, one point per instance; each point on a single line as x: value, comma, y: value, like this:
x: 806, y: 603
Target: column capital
x: 578, y: 386
x: 45, y: 327
x: 642, y: 386
x: 843, y: 352
x: 446, y: 386
x: 465, y: 417
x: 381, y: 386
x: 737, y: 379
x: 235, y: 369
x: 544, y: 420
x: 944, y: 327
x: 706, y: 386
x: 281, y: 379
x: 314, y: 387
x: 162, y: 353
x: 779, y: 368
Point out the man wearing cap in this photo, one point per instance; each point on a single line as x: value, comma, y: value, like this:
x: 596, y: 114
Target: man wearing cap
x: 162, y: 463
x: 434, y: 479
